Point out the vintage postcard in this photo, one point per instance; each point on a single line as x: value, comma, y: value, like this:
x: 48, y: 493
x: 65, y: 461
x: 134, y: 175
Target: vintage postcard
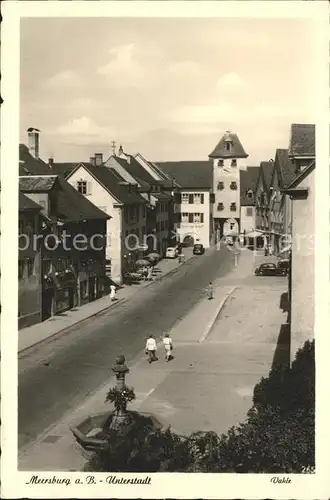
x: 165, y: 250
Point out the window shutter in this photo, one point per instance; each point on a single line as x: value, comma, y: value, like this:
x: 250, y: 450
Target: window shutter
x: 191, y: 217
x: 202, y: 198
x: 212, y: 198
x: 177, y: 197
x: 89, y: 188
x: 202, y: 218
x: 191, y: 198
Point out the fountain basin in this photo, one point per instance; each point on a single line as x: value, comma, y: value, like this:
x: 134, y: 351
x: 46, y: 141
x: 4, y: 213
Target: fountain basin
x: 91, y: 432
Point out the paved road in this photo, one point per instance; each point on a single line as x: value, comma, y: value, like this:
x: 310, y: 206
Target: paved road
x: 60, y: 375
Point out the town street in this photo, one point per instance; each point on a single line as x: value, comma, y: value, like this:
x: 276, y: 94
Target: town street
x: 58, y: 376
x: 222, y: 348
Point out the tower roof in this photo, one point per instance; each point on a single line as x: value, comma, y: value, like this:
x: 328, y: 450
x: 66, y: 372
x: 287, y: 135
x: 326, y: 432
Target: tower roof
x: 235, y: 150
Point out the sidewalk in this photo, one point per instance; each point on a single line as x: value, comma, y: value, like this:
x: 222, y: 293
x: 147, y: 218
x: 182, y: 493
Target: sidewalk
x: 32, y: 335
x: 222, y: 348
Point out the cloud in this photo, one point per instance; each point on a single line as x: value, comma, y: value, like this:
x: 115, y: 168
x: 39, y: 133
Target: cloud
x: 230, y: 80
x: 124, y: 69
x: 64, y: 79
x: 84, y: 129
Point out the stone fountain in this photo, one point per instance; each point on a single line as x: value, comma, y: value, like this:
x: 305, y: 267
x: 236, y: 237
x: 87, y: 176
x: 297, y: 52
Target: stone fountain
x: 91, y: 433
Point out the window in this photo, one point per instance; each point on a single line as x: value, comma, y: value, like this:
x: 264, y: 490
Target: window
x: 228, y: 145
x: 220, y: 163
x: 185, y: 198
x: 233, y: 185
x: 83, y: 289
x: 198, y: 198
x: 221, y: 186
x: 198, y: 218
x: 21, y: 265
x: 250, y: 194
x: 233, y: 207
x: 30, y: 266
x: 234, y: 163
x: 46, y: 263
x: 249, y: 211
x: 184, y: 217
x: 82, y: 187
x: 220, y: 206
x: 42, y: 203
x: 232, y: 226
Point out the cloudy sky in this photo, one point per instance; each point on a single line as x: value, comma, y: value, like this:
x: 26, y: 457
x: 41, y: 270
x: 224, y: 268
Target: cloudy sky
x: 168, y: 88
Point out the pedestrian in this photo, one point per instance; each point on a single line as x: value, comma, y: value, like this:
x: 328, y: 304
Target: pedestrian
x: 210, y: 291
x: 149, y: 277
x: 168, y: 345
x: 112, y: 292
x: 151, y: 349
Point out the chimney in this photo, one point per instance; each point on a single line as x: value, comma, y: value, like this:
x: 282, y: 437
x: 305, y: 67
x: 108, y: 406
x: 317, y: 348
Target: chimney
x: 98, y: 159
x: 92, y: 160
x: 33, y: 141
x: 51, y: 162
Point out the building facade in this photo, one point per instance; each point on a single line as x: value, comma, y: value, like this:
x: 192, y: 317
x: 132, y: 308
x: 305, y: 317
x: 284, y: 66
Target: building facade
x: 302, y: 285
x: 248, y: 185
x: 73, y: 234
x: 29, y: 263
x: 228, y: 159
x: 111, y: 193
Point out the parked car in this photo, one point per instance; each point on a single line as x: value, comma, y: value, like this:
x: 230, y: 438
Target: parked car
x: 284, y: 264
x: 171, y: 253
x: 198, y: 249
x: 270, y: 269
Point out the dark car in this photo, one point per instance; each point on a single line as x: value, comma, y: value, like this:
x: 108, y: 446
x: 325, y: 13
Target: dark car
x: 270, y: 269
x: 284, y: 264
x: 198, y: 249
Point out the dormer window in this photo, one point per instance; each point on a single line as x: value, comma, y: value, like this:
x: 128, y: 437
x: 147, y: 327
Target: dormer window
x: 234, y: 163
x: 228, y: 145
x: 233, y: 185
x: 220, y: 207
x: 250, y: 194
x: 220, y: 163
x: 220, y: 186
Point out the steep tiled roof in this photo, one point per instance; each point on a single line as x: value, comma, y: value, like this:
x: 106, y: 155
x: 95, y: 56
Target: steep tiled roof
x: 111, y: 180
x: 190, y: 174
x: 286, y: 167
x: 248, y: 180
x: 64, y: 168
x: 302, y: 140
x: 30, y: 165
x: 25, y: 204
x: 37, y: 183
x: 236, y: 149
x: 75, y: 207
x: 267, y: 168
x: 71, y: 205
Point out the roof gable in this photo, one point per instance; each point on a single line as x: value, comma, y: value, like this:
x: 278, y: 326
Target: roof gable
x: 248, y: 181
x: 236, y: 149
x: 302, y: 140
x: 113, y: 183
x: 25, y: 204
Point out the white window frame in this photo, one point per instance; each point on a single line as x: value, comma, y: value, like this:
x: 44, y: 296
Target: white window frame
x: 197, y: 217
x: 185, y: 198
x: 184, y: 216
x: 84, y: 185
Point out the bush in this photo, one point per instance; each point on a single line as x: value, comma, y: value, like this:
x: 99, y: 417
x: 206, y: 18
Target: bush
x: 277, y: 437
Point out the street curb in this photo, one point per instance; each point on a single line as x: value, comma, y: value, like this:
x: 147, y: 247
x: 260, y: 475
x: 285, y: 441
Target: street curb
x: 218, y: 310
x: 59, y: 333
x: 64, y: 330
